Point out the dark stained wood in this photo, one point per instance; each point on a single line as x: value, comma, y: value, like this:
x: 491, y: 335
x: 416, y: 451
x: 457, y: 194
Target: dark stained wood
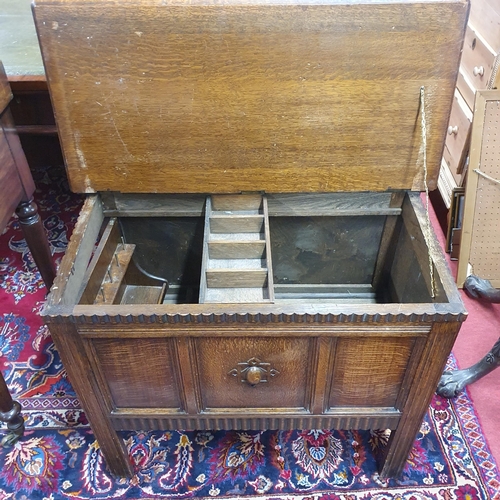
x: 141, y: 294
x: 138, y: 373
x: 283, y: 328
x: 369, y: 371
x: 37, y: 129
x: 347, y: 420
x: 5, y: 91
x: 83, y: 379
x: 32, y: 111
x: 324, y: 357
x: 16, y: 191
x: 427, y: 373
x: 30, y: 83
x: 325, y: 250
x: 221, y: 381
x: 36, y: 239
x: 241, y: 96
x: 17, y: 188
x: 34, y: 120
x: 9, y: 180
x: 23, y: 171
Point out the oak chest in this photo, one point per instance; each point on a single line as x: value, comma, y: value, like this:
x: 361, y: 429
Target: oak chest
x: 254, y: 252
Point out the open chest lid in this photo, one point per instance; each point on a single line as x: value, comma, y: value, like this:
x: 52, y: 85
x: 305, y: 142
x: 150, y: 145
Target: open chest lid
x: 230, y: 96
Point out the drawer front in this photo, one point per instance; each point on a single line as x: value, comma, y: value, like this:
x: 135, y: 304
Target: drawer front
x: 248, y: 373
x: 478, y: 60
x: 466, y: 88
x: 369, y: 371
x: 453, y: 167
x: 458, y: 133
x: 137, y: 373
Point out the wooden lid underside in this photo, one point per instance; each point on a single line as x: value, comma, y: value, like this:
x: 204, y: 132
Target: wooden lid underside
x: 181, y: 97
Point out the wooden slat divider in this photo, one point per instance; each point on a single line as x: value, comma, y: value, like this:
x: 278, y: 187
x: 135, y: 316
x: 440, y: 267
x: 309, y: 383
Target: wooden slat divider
x: 236, y: 223
x: 236, y: 250
x: 241, y: 278
x: 99, y: 264
x: 113, y: 289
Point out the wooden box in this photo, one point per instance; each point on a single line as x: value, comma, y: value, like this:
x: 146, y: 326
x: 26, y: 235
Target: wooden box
x: 251, y: 254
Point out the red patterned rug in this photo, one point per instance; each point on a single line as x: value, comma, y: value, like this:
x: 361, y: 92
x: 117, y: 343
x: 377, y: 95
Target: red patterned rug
x: 58, y: 458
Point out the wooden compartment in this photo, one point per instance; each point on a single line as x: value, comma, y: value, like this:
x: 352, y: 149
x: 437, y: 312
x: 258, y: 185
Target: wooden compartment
x: 251, y: 254
x: 324, y: 258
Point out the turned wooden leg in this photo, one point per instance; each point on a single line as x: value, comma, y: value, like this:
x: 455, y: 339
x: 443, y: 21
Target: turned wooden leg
x: 453, y: 382
x: 36, y: 238
x: 10, y: 413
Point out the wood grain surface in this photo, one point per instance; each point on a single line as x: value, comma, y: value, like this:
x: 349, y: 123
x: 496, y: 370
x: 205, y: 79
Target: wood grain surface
x: 5, y: 92
x: 288, y: 389
x: 139, y: 373
x: 238, y: 96
x: 369, y: 372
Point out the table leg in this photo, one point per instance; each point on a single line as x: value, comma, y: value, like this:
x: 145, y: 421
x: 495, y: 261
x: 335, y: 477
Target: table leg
x: 36, y: 238
x: 453, y: 382
x: 10, y: 413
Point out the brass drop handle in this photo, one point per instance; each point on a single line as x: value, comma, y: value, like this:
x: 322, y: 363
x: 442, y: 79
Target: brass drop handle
x: 453, y: 130
x: 478, y: 71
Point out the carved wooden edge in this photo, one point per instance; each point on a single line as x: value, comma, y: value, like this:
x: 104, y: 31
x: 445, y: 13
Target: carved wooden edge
x: 127, y: 315
x: 287, y: 422
x: 323, y: 331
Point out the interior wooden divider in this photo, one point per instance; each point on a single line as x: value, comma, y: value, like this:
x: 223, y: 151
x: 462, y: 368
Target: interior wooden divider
x: 236, y: 223
x: 112, y: 276
x: 236, y: 262
x: 241, y: 278
x: 237, y: 249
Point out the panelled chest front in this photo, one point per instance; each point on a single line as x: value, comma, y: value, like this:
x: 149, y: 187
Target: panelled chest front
x: 250, y: 255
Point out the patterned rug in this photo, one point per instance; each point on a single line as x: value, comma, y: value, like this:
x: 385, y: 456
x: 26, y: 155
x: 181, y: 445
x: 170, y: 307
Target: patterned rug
x: 58, y: 458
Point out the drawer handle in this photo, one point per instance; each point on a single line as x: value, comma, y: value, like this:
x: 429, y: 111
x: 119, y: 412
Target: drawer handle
x: 254, y: 372
x: 453, y: 130
x: 478, y: 71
